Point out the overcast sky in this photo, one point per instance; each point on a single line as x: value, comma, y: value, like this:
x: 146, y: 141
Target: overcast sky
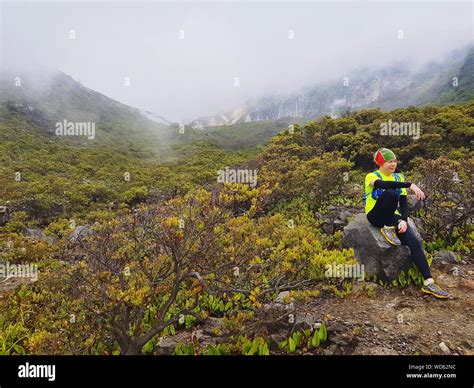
x: 268, y: 45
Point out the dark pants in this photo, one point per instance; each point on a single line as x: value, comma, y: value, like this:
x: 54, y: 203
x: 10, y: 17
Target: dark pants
x: 383, y: 214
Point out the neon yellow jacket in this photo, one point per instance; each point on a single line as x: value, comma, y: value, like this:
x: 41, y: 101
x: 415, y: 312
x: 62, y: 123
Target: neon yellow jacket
x: 369, y: 200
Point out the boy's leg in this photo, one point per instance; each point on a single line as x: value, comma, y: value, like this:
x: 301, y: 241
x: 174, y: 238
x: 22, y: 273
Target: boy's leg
x: 382, y: 213
x: 418, y: 255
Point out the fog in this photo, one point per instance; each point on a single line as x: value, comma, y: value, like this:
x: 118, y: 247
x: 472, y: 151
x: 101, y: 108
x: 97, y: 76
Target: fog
x: 184, y: 60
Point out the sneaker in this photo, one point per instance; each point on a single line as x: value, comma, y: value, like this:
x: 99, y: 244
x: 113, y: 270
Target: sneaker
x: 433, y: 289
x: 390, y: 235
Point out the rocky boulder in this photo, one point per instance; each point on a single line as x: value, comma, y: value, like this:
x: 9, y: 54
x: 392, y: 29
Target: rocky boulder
x: 335, y: 217
x: 380, y: 258
x: 445, y: 257
x: 79, y: 233
x: 35, y: 234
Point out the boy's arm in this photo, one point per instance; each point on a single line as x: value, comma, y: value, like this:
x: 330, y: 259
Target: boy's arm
x: 380, y: 184
x: 403, y: 201
x: 403, y: 207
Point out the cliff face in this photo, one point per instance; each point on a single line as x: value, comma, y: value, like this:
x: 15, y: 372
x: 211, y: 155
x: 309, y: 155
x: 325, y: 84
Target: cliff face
x: 388, y: 88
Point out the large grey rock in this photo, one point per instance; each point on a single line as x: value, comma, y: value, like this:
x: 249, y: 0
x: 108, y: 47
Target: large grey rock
x: 335, y: 218
x: 445, y: 257
x: 80, y: 232
x: 380, y: 258
x: 35, y: 234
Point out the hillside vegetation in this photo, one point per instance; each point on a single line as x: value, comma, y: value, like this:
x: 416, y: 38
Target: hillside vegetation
x: 174, y: 262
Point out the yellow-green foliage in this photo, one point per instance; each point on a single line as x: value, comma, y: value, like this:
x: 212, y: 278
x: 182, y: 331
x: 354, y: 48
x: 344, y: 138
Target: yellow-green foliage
x: 167, y: 253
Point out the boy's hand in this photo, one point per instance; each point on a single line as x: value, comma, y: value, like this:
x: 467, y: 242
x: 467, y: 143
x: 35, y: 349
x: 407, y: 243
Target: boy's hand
x: 402, y: 226
x: 418, y: 192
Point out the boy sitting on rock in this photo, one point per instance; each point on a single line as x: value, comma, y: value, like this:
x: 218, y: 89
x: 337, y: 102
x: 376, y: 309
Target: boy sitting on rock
x: 385, y: 190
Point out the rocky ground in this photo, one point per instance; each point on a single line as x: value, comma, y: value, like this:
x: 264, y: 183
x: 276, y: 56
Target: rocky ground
x: 408, y: 322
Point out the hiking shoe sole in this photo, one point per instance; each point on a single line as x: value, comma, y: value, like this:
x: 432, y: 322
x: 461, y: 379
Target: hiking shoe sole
x: 426, y: 291
x: 389, y: 240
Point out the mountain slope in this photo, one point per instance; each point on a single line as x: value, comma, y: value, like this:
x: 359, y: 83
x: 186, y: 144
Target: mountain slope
x: 47, y: 97
x: 387, y: 88
x: 464, y: 91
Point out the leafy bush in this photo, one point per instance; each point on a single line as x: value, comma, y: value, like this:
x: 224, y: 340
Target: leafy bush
x: 448, y: 210
x: 136, y: 195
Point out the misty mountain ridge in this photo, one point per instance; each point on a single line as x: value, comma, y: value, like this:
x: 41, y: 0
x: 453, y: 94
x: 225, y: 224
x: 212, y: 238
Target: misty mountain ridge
x: 57, y: 95
x: 40, y: 100
x: 387, y: 88
x: 47, y: 96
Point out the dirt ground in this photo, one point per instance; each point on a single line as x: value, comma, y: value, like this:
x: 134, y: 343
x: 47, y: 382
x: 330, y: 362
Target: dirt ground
x: 402, y: 321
